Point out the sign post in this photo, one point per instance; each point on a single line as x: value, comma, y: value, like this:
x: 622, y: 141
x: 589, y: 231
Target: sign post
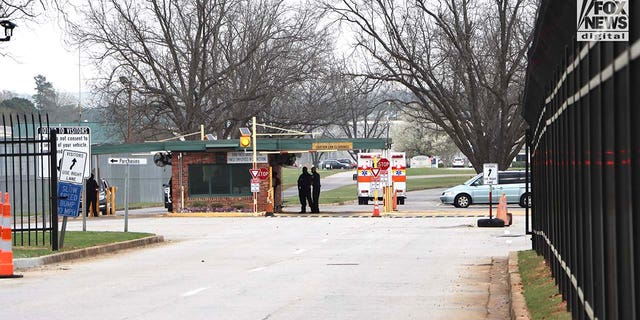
x: 383, y: 176
x: 490, y: 177
x: 70, y: 179
x: 128, y: 162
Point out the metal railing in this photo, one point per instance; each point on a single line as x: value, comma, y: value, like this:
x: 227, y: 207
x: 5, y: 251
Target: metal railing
x: 25, y: 173
x: 586, y: 169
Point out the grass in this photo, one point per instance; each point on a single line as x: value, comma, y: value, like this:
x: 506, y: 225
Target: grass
x: 434, y: 171
x: 73, y: 240
x: 290, y: 175
x: 542, y: 296
x: 433, y: 183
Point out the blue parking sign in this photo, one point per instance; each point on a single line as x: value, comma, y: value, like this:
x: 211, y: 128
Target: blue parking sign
x: 69, y: 199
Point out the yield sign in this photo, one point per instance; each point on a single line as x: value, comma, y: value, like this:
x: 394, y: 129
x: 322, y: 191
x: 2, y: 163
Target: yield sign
x: 375, y: 171
x: 254, y: 173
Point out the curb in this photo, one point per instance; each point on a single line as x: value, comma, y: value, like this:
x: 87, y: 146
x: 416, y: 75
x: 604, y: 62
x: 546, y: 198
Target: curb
x: 25, y: 263
x: 518, y: 309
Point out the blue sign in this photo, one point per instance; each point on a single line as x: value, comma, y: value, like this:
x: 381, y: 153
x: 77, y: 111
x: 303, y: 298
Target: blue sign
x: 69, y: 195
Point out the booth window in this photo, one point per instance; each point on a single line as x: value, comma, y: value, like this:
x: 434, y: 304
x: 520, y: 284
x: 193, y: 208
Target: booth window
x: 219, y: 179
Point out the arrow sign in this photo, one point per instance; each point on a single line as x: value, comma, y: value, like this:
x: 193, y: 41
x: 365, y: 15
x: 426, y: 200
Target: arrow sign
x: 490, y: 173
x: 254, y: 173
x: 375, y: 171
x: 74, y: 173
x: 128, y: 161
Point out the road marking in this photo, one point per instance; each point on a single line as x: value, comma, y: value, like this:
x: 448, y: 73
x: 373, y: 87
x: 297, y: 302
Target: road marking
x: 194, y: 292
x: 299, y: 251
x: 257, y: 269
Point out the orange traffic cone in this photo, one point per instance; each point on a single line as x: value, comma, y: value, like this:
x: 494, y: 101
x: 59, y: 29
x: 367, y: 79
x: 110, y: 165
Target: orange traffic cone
x: 502, y: 210
x: 6, y: 255
x: 376, y: 210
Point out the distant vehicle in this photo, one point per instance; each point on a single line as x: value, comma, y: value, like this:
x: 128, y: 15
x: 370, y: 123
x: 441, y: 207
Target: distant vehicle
x: 397, y: 171
x: 474, y: 191
x: 420, y: 162
x: 352, y: 164
x: 334, y: 164
x: 457, y: 162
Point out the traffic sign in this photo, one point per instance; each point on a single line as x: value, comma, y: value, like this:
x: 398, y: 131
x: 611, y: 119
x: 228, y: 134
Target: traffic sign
x: 254, y: 173
x: 128, y: 161
x: 72, y: 166
x: 255, y: 187
x: 69, y: 195
x: 375, y: 171
x: 384, y: 164
x: 490, y: 173
x: 263, y: 174
x: 67, y: 138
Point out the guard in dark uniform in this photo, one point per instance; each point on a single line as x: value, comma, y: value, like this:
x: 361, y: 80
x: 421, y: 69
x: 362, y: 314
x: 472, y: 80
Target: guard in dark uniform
x: 304, y: 190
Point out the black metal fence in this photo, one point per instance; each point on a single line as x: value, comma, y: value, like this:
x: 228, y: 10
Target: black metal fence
x: 26, y: 166
x: 584, y: 117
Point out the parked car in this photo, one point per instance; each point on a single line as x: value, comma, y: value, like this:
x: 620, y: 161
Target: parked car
x: 352, y: 164
x: 457, y: 162
x: 474, y: 191
x: 333, y: 164
x: 102, y: 197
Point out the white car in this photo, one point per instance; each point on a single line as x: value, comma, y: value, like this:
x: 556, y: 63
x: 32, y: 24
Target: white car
x: 457, y: 163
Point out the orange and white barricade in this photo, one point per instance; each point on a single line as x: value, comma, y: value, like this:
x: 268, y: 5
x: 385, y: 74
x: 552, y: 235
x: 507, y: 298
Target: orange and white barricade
x: 6, y: 255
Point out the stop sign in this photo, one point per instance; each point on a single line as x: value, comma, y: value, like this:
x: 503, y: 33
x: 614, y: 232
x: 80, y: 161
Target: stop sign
x: 263, y: 173
x: 383, y: 164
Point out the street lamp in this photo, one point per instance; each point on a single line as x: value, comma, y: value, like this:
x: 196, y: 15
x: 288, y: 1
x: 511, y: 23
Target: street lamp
x: 125, y: 81
x: 8, y: 29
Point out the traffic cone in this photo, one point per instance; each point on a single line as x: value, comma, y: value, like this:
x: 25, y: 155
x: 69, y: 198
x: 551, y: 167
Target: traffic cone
x: 6, y: 255
x: 502, y: 209
x: 376, y: 210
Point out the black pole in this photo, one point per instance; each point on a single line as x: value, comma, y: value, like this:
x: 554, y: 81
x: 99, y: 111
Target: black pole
x: 53, y: 177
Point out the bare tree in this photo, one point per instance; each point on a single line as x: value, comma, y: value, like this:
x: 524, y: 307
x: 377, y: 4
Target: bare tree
x: 211, y: 62
x: 463, y: 60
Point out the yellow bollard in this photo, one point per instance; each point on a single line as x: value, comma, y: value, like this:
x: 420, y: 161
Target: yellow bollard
x: 111, y: 201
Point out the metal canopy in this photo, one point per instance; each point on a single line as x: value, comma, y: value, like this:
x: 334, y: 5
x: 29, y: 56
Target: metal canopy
x: 263, y: 145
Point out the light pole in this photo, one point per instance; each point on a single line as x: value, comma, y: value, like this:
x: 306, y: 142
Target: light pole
x: 8, y: 29
x: 124, y: 80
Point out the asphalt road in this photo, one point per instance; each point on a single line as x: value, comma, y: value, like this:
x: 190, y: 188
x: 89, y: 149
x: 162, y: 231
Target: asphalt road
x: 275, y: 268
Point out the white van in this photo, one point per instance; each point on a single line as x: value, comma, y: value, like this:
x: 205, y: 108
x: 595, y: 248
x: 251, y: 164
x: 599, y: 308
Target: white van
x: 474, y: 191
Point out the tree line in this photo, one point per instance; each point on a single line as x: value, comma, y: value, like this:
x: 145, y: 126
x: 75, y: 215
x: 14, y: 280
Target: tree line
x: 448, y: 67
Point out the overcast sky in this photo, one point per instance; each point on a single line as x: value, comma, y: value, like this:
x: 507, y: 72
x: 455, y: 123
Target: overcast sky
x: 39, y: 49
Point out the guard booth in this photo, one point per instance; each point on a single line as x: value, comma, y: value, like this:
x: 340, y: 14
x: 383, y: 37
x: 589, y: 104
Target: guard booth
x: 216, y: 175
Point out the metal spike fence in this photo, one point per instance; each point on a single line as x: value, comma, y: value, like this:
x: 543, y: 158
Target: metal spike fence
x: 26, y: 163
x: 584, y: 117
